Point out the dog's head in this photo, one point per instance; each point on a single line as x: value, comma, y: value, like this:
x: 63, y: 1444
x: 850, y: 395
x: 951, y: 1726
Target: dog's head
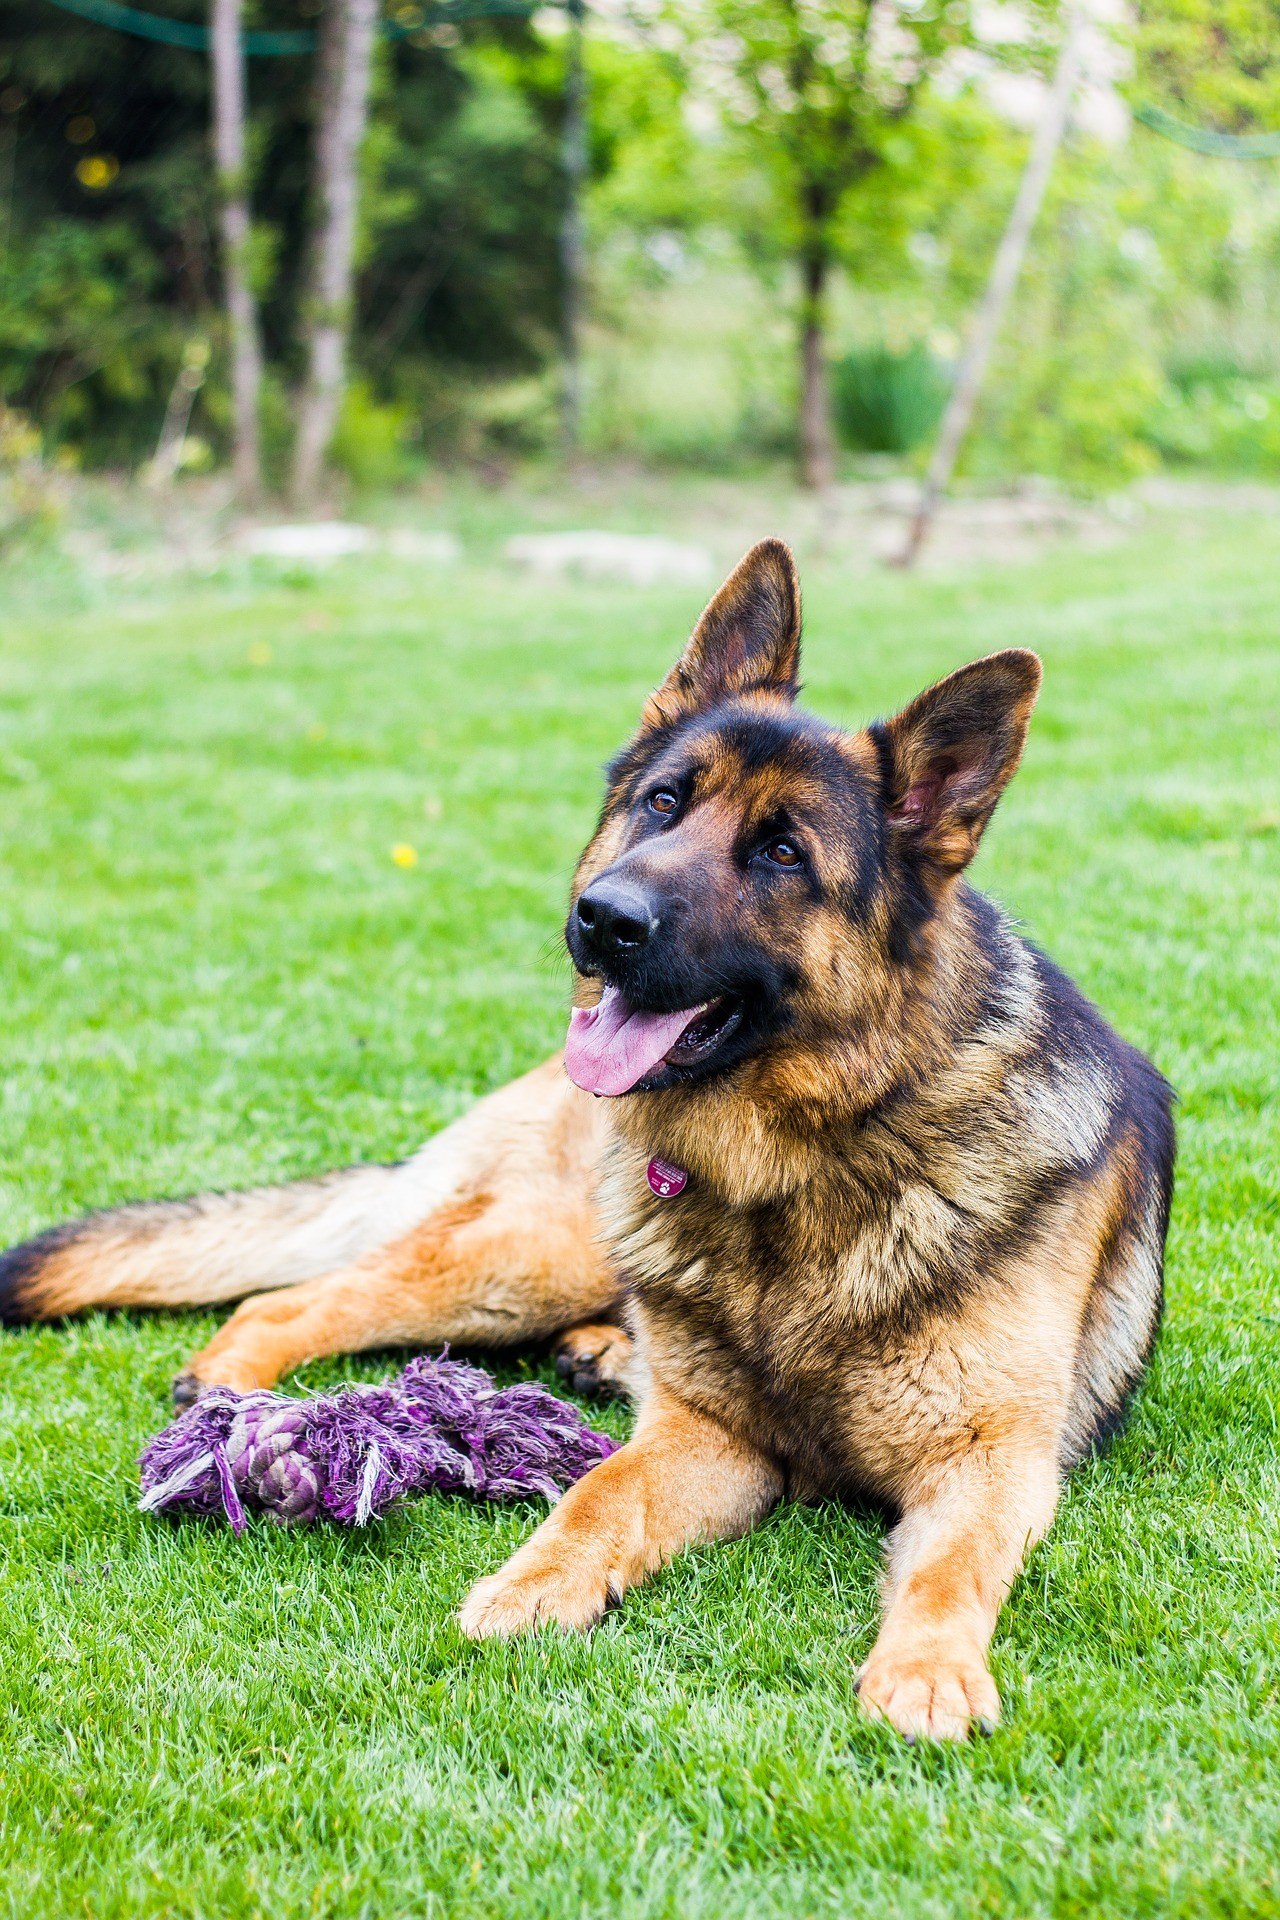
x: 759, y: 881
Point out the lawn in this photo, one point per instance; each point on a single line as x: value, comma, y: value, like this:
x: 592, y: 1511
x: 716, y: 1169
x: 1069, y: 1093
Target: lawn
x: 215, y: 972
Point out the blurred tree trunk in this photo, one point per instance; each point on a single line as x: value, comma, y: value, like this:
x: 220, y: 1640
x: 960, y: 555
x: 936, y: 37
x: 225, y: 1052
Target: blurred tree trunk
x: 817, y: 444
x: 572, y: 233
x: 347, y: 31
x: 227, y: 54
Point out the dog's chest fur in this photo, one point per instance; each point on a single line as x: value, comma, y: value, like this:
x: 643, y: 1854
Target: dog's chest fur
x: 846, y: 1326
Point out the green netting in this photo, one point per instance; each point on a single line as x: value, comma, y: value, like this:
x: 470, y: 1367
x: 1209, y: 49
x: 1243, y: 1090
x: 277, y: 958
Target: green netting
x: 258, y: 44
x: 178, y: 33
x: 1232, y: 146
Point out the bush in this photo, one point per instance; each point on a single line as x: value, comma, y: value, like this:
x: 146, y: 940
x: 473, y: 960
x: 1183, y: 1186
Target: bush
x: 1225, y: 422
x: 887, y: 401
x: 369, y: 442
x: 28, y: 508
x: 85, y: 349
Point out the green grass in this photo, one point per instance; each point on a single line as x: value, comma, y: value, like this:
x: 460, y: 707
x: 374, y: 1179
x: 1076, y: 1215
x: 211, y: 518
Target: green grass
x: 215, y: 973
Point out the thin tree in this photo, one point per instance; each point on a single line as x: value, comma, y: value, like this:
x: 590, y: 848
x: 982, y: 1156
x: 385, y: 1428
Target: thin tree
x: 226, y: 49
x: 814, y: 92
x: 1000, y: 286
x: 572, y: 231
x: 347, y: 30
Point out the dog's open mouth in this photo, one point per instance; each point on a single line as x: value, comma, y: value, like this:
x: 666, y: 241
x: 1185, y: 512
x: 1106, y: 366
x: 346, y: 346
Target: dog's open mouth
x: 613, y: 1046
x: 702, y: 1036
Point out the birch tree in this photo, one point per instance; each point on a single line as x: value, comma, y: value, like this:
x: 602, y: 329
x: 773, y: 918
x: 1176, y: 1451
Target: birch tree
x: 572, y: 229
x: 345, y: 61
x: 227, y: 59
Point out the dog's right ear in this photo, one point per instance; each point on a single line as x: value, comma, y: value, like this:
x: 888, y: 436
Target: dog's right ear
x: 747, y: 641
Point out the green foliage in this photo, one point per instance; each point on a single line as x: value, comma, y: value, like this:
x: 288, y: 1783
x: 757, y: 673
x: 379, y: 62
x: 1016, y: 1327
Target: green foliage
x: 1130, y: 240
x: 1216, y: 60
x: 513, y: 417
x: 952, y: 164
x: 700, y: 375
x: 1137, y: 255
x: 369, y: 441
x: 1224, y: 423
x: 110, y: 261
x: 1142, y: 253
x: 28, y: 506
x: 887, y: 400
x: 814, y: 97
x: 85, y: 346
x: 817, y: 99
x: 1075, y: 405
x: 105, y: 270
x: 461, y: 213
x: 651, y: 174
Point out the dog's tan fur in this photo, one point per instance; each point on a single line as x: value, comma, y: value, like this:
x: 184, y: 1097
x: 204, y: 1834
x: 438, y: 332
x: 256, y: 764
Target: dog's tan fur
x: 919, y: 1255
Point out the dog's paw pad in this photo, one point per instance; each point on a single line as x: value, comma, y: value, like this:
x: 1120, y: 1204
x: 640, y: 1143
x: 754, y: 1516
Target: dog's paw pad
x: 186, y: 1390
x: 594, y: 1361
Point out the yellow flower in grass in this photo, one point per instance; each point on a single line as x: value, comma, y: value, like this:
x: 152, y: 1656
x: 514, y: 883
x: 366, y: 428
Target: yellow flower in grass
x: 404, y: 855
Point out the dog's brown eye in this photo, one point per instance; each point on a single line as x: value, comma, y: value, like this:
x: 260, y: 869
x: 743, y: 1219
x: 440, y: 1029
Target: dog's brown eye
x: 783, y: 853
x: 663, y: 801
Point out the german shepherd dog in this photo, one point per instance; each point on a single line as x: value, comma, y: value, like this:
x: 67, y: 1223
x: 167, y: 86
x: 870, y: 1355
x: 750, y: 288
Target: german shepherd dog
x: 878, y: 1197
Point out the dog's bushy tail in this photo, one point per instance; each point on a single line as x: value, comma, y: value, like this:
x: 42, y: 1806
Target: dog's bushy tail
x: 215, y: 1247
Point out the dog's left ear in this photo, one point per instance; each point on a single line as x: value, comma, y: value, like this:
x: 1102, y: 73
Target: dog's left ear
x: 949, y: 756
x: 748, y: 640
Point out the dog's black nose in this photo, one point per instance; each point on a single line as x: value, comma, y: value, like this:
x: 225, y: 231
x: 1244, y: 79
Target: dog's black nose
x: 614, y: 916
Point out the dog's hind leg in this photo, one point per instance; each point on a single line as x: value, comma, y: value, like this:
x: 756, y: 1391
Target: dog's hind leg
x: 534, y: 1144
x: 597, y: 1358
x: 478, y: 1272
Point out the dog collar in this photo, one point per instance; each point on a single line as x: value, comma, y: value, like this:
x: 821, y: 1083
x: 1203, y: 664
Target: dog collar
x: 666, y: 1179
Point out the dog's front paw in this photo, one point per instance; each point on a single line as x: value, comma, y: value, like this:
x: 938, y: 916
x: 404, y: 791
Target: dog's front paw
x: 550, y: 1587
x: 933, y: 1693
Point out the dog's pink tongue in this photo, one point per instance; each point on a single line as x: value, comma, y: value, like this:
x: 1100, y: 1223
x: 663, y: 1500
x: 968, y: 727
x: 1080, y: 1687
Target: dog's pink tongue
x: 612, y: 1045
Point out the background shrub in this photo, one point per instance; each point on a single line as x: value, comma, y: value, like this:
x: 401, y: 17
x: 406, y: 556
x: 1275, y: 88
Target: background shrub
x: 888, y: 401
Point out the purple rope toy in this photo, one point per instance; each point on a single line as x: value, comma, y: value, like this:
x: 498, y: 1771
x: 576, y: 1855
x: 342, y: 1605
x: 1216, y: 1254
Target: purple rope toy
x: 442, y: 1427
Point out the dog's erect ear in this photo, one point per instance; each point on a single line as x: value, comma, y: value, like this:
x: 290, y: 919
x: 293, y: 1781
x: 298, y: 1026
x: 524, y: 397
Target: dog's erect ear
x: 949, y: 756
x: 748, y: 640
